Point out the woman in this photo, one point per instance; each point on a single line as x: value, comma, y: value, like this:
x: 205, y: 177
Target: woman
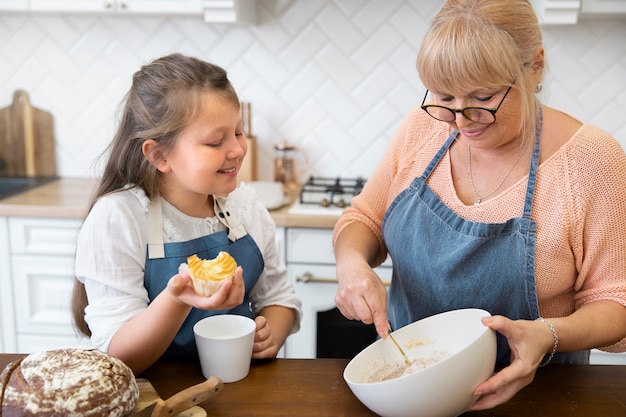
x: 169, y: 191
x: 486, y: 198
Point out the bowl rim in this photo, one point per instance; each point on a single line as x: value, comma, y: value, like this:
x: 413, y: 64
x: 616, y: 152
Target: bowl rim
x: 427, y: 368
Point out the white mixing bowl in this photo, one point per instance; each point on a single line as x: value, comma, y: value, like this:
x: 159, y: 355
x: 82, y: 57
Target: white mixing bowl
x: 442, y: 389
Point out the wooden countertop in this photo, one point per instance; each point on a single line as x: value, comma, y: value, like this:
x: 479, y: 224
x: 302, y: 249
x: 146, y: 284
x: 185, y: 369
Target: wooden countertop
x: 69, y: 198
x: 315, y: 387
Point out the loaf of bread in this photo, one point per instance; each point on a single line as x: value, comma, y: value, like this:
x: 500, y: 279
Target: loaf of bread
x: 68, y: 382
x: 207, y: 275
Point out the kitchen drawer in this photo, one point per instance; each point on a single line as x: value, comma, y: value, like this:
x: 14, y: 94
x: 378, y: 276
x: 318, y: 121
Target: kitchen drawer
x: 310, y: 246
x: 35, y: 236
x: 306, y: 245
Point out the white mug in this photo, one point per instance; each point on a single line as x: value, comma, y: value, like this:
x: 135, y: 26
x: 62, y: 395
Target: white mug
x: 224, y: 345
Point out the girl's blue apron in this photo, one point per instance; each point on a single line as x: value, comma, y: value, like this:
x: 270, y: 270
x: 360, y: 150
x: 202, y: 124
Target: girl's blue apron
x: 443, y: 262
x: 163, y: 260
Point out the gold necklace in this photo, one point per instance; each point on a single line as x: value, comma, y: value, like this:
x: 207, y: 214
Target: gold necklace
x: 479, y: 199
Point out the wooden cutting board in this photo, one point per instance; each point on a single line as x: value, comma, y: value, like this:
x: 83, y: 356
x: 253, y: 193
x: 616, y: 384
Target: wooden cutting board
x: 26, y: 140
x: 147, y: 395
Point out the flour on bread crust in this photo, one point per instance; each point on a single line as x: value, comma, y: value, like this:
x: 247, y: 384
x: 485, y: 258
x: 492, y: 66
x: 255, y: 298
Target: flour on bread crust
x: 68, y: 382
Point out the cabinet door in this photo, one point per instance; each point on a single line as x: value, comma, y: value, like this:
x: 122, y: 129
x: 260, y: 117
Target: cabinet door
x: 7, y: 322
x: 42, y: 287
x: 14, y: 5
x: 70, y: 6
x: 607, y: 7
x: 119, y: 6
x: 161, y: 6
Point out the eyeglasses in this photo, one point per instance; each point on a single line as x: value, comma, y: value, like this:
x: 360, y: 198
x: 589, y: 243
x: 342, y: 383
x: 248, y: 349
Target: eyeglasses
x: 480, y: 115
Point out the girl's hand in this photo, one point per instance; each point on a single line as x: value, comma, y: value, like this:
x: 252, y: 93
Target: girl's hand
x: 229, y: 295
x: 362, y: 296
x: 529, y: 341
x: 265, y: 345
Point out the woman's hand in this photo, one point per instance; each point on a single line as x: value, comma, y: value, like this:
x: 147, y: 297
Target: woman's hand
x: 229, y: 295
x: 362, y: 296
x: 529, y: 341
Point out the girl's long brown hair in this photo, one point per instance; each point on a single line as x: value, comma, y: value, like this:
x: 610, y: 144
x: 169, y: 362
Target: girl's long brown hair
x: 163, y: 98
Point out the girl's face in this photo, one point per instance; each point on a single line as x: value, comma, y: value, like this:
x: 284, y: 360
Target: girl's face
x: 207, y: 155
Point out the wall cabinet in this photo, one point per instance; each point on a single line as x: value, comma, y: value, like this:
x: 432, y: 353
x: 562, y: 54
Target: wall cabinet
x: 558, y: 12
x: 118, y: 6
x: 608, y: 7
x: 14, y: 5
x: 215, y: 11
x: 36, y: 283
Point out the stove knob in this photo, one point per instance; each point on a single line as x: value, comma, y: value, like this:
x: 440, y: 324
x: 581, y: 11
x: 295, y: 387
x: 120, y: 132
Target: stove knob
x: 324, y: 202
x: 341, y: 203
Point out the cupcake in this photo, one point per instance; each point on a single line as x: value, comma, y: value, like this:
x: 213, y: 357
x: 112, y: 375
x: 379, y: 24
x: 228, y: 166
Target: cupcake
x: 208, y: 275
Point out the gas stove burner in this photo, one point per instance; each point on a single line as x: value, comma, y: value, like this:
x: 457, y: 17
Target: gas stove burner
x: 328, y: 191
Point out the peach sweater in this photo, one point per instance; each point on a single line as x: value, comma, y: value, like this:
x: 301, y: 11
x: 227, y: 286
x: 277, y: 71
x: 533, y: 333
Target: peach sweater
x: 579, y: 208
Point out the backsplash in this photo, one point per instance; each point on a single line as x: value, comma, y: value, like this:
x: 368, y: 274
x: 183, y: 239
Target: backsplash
x: 334, y: 77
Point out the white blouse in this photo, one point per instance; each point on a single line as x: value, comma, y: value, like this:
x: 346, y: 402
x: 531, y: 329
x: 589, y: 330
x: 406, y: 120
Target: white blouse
x: 111, y: 255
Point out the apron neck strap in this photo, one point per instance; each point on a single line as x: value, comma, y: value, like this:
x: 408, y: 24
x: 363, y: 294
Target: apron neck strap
x: 156, y: 248
x: 534, y: 164
x: 235, y: 229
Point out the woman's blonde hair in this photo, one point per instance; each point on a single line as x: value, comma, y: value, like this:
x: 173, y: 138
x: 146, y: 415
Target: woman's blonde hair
x: 474, y: 44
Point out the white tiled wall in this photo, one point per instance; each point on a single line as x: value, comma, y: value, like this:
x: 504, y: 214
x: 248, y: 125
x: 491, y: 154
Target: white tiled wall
x: 333, y: 76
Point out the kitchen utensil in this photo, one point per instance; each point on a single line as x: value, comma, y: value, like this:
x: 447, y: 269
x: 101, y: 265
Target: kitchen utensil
x: 286, y: 168
x: 248, y: 169
x: 458, y: 351
x: 151, y: 405
x: 406, y: 358
x: 26, y: 140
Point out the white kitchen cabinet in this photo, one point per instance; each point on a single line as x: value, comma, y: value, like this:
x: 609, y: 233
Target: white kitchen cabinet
x: 603, y: 7
x: 7, y: 324
x: 214, y: 11
x: 14, y: 5
x: 559, y: 12
x: 311, y: 266
x: 36, y: 283
x: 118, y: 6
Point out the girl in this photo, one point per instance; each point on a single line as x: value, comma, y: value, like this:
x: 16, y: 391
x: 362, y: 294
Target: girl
x: 169, y: 190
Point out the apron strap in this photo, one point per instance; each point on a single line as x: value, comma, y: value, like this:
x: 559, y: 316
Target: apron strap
x: 156, y: 248
x: 534, y: 165
x: 444, y: 148
x: 235, y: 229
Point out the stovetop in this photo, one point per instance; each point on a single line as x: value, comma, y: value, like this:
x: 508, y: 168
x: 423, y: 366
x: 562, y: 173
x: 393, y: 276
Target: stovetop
x: 327, y: 195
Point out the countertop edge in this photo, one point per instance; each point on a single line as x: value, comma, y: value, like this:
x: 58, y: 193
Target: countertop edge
x: 68, y: 198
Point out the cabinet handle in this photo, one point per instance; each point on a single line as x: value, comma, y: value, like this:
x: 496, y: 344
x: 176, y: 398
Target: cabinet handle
x: 308, y: 277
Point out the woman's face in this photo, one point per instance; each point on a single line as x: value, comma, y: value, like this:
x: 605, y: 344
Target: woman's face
x: 503, y: 131
x: 208, y: 153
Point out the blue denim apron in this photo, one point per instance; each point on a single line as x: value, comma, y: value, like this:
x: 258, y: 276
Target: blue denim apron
x: 163, y: 260
x: 443, y: 262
